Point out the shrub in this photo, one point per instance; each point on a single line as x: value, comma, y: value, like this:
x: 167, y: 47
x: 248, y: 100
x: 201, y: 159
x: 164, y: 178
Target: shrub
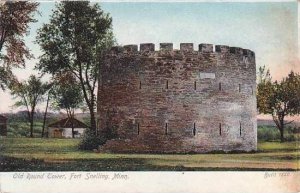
x: 289, y: 134
x: 112, y: 132
x: 23, y: 131
x: 296, y: 130
x: 37, y: 129
x: 269, y: 133
x: 266, y: 133
x: 91, y: 141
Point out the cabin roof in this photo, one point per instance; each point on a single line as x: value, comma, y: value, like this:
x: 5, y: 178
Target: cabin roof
x: 67, y: 123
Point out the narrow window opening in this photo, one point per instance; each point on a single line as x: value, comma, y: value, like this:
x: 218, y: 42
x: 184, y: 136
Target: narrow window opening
x: 138, y: 128
x: 220, y: 86
x: 194, y: 129
x: 167, y: 84
x: 140, y: 85
x: 166, y: 129
x: 220, y: 129
x: 240, y: 129
x: 195, y: 85
x: 246, y: 61
x: 239, y: 87
x: 252, y: 90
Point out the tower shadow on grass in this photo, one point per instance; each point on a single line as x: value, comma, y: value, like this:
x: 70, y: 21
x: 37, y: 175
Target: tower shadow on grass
x: 11, y: 164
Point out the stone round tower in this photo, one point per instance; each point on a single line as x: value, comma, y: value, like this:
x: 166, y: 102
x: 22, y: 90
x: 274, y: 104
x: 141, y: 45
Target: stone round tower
x: 178, y: 100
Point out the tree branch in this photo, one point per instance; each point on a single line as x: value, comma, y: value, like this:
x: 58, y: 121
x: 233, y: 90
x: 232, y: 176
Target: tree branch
x: 288, y: 122
x: 2, y: 39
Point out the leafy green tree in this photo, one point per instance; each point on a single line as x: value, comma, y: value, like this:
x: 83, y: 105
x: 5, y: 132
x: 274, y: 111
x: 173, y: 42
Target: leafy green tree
x: 75, y: 40
x: 263, y: 75
x: 279, y: 99
x: 264, y: 89
x: 30, y: 94
x: 67, y: 95
x: 15, y: 17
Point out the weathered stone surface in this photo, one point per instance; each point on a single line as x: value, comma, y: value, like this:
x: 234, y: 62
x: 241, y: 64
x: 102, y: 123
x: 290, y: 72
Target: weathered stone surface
x: 187, y: 47
x: 147, y: 47
x: 222, y: 48
x: 236, y: 50
x: 166, y: 46
x: 178, y: 101
x: 206, y: 48
x: 131, y: 48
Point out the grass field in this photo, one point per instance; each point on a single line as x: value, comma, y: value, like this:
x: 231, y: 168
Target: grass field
x: 25, y: 154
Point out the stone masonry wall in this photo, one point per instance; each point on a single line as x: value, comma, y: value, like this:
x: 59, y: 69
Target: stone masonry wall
x: 178, y: 100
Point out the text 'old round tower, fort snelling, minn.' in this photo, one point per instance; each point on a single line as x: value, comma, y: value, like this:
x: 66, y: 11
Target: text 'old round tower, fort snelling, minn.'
x: 178, y: 100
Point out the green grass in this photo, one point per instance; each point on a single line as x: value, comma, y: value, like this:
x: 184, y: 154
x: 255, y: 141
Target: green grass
x: 278, y: 147
x: 25, y: 154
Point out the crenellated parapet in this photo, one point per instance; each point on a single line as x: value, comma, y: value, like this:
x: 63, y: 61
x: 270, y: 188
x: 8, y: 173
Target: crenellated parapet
x: 184, y: 47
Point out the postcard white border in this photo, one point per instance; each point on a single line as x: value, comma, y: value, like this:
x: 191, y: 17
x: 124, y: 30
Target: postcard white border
x: 160, y: 182
x: 189, y: 182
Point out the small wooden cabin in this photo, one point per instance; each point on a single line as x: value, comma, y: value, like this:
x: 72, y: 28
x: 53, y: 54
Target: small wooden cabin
x: 3, y: 126
x: 63, y: 128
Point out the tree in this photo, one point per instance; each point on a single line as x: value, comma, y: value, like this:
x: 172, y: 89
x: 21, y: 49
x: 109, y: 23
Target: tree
x: 15, y: 17
x: 279, y: 99
x: 67, y: 95
x: 75, y: 40
x: 49, y: 91
x: 264, y: 89
x: 30, y: 94
x: 263, y: 75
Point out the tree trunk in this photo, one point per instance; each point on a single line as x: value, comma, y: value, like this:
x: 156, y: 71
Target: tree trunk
x: 71, y: 118
x: 281, y: 135
x: 93, y: 117
x: 45, y: 116
x: 279, y: 121
x: 73, y: 136
x: 72, y: 125
x: 93, y: 121
x: 31, y: 126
